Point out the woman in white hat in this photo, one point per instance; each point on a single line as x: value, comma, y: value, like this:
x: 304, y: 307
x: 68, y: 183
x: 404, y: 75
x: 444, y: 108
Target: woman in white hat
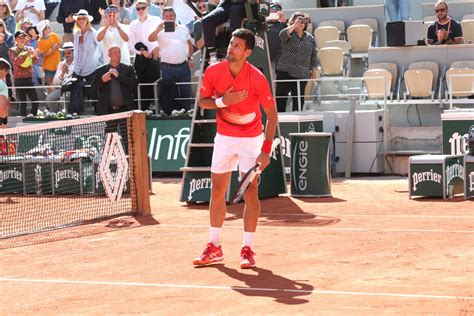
x: 48, y: 47
x: 88, y: 54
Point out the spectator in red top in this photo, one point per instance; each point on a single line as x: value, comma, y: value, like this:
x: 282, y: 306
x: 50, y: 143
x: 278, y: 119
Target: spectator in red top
x: 236, y: 89
x: 23, y: 57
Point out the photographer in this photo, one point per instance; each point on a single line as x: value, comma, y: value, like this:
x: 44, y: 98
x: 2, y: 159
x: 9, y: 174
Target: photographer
x: 30, y: 9
x: 176, y: 52
x: 297, y: 60
x: 114, y: 33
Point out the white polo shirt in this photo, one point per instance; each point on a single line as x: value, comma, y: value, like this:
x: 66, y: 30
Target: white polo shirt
x: 174, y: 45
x: 112, y: 37
x: 139, y: 32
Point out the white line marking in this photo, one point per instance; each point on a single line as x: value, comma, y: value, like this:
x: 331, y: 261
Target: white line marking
x: 342, y: 229
x: 368, y: 215
x: 235, y: 288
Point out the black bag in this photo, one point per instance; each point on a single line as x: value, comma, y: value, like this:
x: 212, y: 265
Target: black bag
x: 470, y: 141
x: 68, y: 84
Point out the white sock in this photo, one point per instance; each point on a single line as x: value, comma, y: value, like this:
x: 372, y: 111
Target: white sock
x: 248, y: 238
x: 215, y: 235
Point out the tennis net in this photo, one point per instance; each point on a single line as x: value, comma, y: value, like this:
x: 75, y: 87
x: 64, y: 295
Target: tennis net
x: 71, y: 172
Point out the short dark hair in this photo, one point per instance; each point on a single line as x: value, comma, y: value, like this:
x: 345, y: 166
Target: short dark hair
x: 247, y: 36
x: 4, y: 64
x: 109, y: 2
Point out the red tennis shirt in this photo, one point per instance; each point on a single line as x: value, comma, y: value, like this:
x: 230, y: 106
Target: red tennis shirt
x: 242, y: 119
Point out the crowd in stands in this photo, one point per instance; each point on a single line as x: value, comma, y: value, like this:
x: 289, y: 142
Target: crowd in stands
x: 153, y: 40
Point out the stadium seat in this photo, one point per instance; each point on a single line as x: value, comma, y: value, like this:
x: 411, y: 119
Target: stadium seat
x: 346, y: 49
x: 468, y: 31
x: 339, y: 24
x: 461, y: 86
x: 430, y: 65
x: 331, y: 60
x: 373, y: 25
x: 374, y: 83
x: 468, y: 17
x: 390, y: 67
x: 360, y: 38
x: 463, y: 64
x: 324, y: 34
x: 419, y: 83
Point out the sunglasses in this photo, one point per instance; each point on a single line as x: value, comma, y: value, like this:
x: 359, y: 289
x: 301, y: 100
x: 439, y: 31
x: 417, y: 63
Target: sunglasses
x: 201, y: 7
x: 141, y: 8
x: 160, y: 3
x: 440, y: 10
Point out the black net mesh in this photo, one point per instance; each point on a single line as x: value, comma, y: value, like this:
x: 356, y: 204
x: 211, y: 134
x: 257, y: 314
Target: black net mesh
x: 65, y: 173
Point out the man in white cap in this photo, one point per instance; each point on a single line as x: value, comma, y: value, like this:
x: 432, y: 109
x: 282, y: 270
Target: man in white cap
x: 63, y: 72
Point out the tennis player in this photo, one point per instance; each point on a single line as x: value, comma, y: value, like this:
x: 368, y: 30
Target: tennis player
x: 4, y: 99
x: 236, y: 89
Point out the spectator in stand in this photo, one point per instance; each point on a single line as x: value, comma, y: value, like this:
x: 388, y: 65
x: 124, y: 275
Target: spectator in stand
x: 445, y: 30
x: 63, y: 72
x: 4, y: 98
x: 114, y: 33
x: 184, y: 14
x: 30, y: 9
x: 276, y: 22
x: 7, y: 16
x: 147, y: 64
x: 297, y: 60
x: 123, y: 15
x: 48, y: 48
x: 67, y: 8
x: 32, y: 41
x: 398, y: 10
x: 233, y: 10
x: 94, y: 7
x: 176, y: 51
x: 153, y: 9
x: 201, y: 5
x: 115, y: 83
x: 6, y: 42
x: 23, y: 57
x: 12, y: 4
x: 160, y: 4
x: 88, y: 57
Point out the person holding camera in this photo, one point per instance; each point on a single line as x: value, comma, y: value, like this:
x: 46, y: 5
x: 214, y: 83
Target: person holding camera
x: 30, y: 9
x: 176, y: 50
x: 297, y: 60
x: 66, y: 11
x: 114, y: 33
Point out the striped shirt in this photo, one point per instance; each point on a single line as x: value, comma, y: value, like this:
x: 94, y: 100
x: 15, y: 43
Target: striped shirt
x: 298, y: 54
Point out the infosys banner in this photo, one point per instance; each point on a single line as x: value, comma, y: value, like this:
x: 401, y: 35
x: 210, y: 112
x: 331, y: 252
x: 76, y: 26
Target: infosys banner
x: 456, y: 124
x: 167, y: 144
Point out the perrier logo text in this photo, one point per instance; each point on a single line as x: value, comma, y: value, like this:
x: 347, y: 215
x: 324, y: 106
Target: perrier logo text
x: 419, y: 177
x: 11, y: 174
x: 65, y: 174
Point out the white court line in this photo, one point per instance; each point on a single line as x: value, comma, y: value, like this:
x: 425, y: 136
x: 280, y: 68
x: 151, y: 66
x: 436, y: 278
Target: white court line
x: 370, y: 215
x: 387, y: 230
x: 234, y: 288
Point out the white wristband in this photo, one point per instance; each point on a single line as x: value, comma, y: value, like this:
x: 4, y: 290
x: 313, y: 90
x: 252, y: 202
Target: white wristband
x: 220, y: 103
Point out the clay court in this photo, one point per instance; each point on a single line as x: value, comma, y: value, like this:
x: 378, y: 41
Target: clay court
x: 367, y: 250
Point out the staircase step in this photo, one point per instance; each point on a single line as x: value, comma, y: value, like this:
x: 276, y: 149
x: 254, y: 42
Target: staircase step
x: 205, y: 121
x: 195, y: 169
x: 201, y: 145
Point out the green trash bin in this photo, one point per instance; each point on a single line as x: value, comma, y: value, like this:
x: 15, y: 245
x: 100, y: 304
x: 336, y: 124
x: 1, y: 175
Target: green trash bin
x: 310, y: 172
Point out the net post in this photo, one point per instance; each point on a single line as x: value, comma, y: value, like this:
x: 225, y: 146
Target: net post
x: 138, y: 141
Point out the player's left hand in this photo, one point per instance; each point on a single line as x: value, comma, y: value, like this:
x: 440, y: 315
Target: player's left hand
x: 264, y: 160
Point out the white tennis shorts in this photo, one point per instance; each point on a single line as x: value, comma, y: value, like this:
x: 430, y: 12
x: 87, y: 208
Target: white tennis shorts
x: 230, y: 152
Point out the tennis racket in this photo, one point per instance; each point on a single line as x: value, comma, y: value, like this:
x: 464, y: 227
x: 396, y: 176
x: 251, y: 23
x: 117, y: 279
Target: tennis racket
x: 246, y: 181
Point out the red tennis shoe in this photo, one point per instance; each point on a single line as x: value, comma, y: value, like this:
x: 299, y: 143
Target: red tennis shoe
x: 246, y: 258
x: 210, y: 255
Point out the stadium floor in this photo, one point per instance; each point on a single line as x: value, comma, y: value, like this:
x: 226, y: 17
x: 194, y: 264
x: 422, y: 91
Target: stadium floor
x: 369, y: 250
